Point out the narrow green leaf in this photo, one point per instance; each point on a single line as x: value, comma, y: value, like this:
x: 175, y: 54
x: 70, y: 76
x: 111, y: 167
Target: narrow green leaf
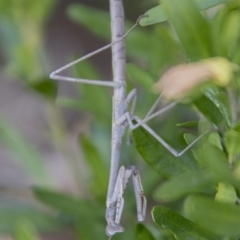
x: 225, y: 29
x: 140, y: 76
x: 86, y: 70
x: 220, y: 99
x: 232, y: 139
x: 38, y: 12
x: 25, y: 230
x: 213, y: 138
x: 158, y: 157
x: 192, y: 29
x: 26, y: 153
x: 24, y: 63
x: 99, y: 182
x: 181, y: 185
x: 102, y: 114
x: 196, y: 150
x: 142, y: 233
x: 189, y: 124
x: 220, y: 218
x: 165, y: 51
x: 101, y: 106
x: 90, y: 228
x: 205, y: 4
x: 12, y: 212
x: 230, y: 32
x: 98, y: 22
x: 182, y: 228
x: 45, y: 87
x: 215, y: 106
x: 211, y: 157
x: 236, y: 59
x: 67, y: 204
x: 158, y: 15
x: 18, y: 20
x: 84, y: 213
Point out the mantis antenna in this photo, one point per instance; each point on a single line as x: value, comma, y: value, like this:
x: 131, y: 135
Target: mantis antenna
x: 121, y: 118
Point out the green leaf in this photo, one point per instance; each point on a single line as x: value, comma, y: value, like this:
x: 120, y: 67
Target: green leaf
x: 24, y: 63
x: 99, y: 182
x: 38, y: 12
x: 190, y: 124
x: 226, y: 193
x: 232, y: 139
x: 215, y: 107
x: 98, y: 22
x: 12, y: 212
x: 165, y: 50
x: 205, y: 4
x: 226, y: 29
x: 181, y: 185
x: 152, y: 16
x: 158, y: 15
x: 201, y: 146
x: 142, y: 233
x: 217, y: 162
x: 25, y: 230
x: 84, y: 213
x: 26, y: 153
x: 182, y: 228
x: 100, y: 106
x: 45, y: 87
x: 18, y: 20
x: 67, y: 204
x: 86, y: 70
x: 220, y: 218
x: 192, y: 29
x: 211, y: 157
x: 230, y: 32
x: 158, y: 157
x: 140, y: 76
x: 85, y: 230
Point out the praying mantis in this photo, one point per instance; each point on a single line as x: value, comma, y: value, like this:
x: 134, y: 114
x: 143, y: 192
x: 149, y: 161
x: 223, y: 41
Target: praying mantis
x: 121, y: 119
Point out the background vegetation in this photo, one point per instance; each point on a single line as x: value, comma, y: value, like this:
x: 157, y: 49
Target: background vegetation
x: 192, y: 197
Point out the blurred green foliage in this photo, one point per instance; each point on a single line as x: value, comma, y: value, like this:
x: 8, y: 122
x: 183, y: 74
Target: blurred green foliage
x: 206, y: 178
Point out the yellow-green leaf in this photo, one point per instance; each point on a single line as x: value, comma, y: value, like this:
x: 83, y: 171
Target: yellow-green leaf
x: 226, y: 193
